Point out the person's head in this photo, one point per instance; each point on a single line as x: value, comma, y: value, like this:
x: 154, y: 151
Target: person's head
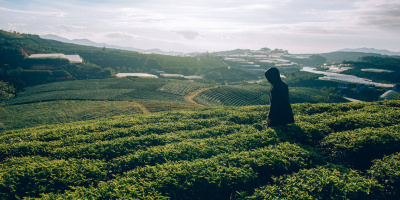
x: 273, y: 76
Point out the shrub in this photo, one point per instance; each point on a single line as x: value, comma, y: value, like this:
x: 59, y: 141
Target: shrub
x: 386, y: 171
x: 359, y: 147
x: 323, y: 182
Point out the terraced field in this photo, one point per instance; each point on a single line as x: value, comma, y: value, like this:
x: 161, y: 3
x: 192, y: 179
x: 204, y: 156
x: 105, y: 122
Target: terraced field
x: 97, y: 98
x: 259, y: 95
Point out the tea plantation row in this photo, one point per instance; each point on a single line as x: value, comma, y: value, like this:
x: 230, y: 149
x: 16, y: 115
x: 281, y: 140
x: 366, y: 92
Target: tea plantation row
x: 259, y: 95
x: 333, y: 151
x: 62, y: 111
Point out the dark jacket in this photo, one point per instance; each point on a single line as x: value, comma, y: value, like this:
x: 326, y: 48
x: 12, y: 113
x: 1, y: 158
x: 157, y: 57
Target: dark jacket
x: 280, y: 111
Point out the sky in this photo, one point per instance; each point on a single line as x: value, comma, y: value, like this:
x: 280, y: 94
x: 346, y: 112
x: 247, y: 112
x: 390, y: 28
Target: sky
x: 299, y: 26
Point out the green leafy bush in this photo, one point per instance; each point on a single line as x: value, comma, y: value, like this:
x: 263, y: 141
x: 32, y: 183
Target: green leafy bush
x: 387, y: 172
x: 323, y: 182
x: 359, y: 147
x: 36, y: 175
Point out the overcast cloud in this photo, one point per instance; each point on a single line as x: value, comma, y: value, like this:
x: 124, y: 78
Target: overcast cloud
x: 299, y: 26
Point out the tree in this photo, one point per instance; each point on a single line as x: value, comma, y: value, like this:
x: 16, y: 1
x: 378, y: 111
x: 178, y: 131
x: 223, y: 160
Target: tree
x: 7, y: 91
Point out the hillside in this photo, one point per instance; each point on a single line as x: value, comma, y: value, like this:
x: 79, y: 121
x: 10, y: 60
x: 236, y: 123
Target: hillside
x: 371, y: 50
x: 97, y: 62
x: 87, y: 42
x: 77, y: 100
x: 333, y: 151
x: 340, y: 56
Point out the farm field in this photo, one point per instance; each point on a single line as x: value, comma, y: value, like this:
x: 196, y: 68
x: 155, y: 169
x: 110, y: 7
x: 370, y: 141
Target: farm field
x: 333, y: 151
x: 78, y: 100
x: 259, y: 95
x: 92, y: 99
x: 98, y: 89
x: 63, y: 111
x: 167, y: 90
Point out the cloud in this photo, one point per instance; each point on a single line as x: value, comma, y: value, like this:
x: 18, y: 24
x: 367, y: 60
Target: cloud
x: 380, y: 14
x: 66, y: 28
x: 118, y: 36
x: 226, y: 24
x: 189, y: 34
x: 14, y: 26
x: 52, y: 14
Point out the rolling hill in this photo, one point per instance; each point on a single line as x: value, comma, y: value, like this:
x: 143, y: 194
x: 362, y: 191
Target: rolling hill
x: 15, y: 47
x: 78, y: 100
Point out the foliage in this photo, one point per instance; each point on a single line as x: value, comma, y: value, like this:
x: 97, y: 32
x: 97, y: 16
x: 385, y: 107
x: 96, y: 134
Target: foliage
x: 323, y: 182
x: 36, y: 175
x: 386, y: 171
x: 7, y: 91
x: 359, y: 147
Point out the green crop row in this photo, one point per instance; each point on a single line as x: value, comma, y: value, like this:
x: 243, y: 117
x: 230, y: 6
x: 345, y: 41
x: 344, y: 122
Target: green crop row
x: 359, y: 147
x: 104, y: 145
x: 386, y: 171
x: 323, y: 182
x: 218, y: 177
x: 32, y: 176
x: 231, y: 96
x: 182, y: 87
x: 243, y: 139
x: 99, y: 89
x: 55, y: 112
x: 259, y: 95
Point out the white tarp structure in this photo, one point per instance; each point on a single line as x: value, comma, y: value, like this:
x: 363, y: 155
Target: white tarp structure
x: 71, y: 58
x: 145, y: 75
x: 74, y: 58
x: 389, y: 95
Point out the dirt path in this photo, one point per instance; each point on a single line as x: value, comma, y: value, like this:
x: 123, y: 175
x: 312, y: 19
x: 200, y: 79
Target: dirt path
x: 190, y: 97
x: 144, y: 109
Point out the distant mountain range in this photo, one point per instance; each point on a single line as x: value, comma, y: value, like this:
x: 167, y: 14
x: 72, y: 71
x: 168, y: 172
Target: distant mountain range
x: 371, y: 50
x: 87, y: 42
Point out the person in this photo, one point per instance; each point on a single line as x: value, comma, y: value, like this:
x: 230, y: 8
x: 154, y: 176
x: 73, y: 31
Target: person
x: 280, y: 110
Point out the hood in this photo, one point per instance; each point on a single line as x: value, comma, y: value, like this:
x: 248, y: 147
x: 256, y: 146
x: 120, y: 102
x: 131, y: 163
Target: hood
x: 273, y: 76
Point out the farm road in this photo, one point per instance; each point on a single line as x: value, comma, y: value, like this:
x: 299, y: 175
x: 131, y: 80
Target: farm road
x: 190, y: 97
x: 144, y: 109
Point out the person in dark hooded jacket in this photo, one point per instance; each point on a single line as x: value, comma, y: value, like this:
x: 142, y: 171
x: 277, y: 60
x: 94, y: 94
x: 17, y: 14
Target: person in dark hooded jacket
x: 280, y: 111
